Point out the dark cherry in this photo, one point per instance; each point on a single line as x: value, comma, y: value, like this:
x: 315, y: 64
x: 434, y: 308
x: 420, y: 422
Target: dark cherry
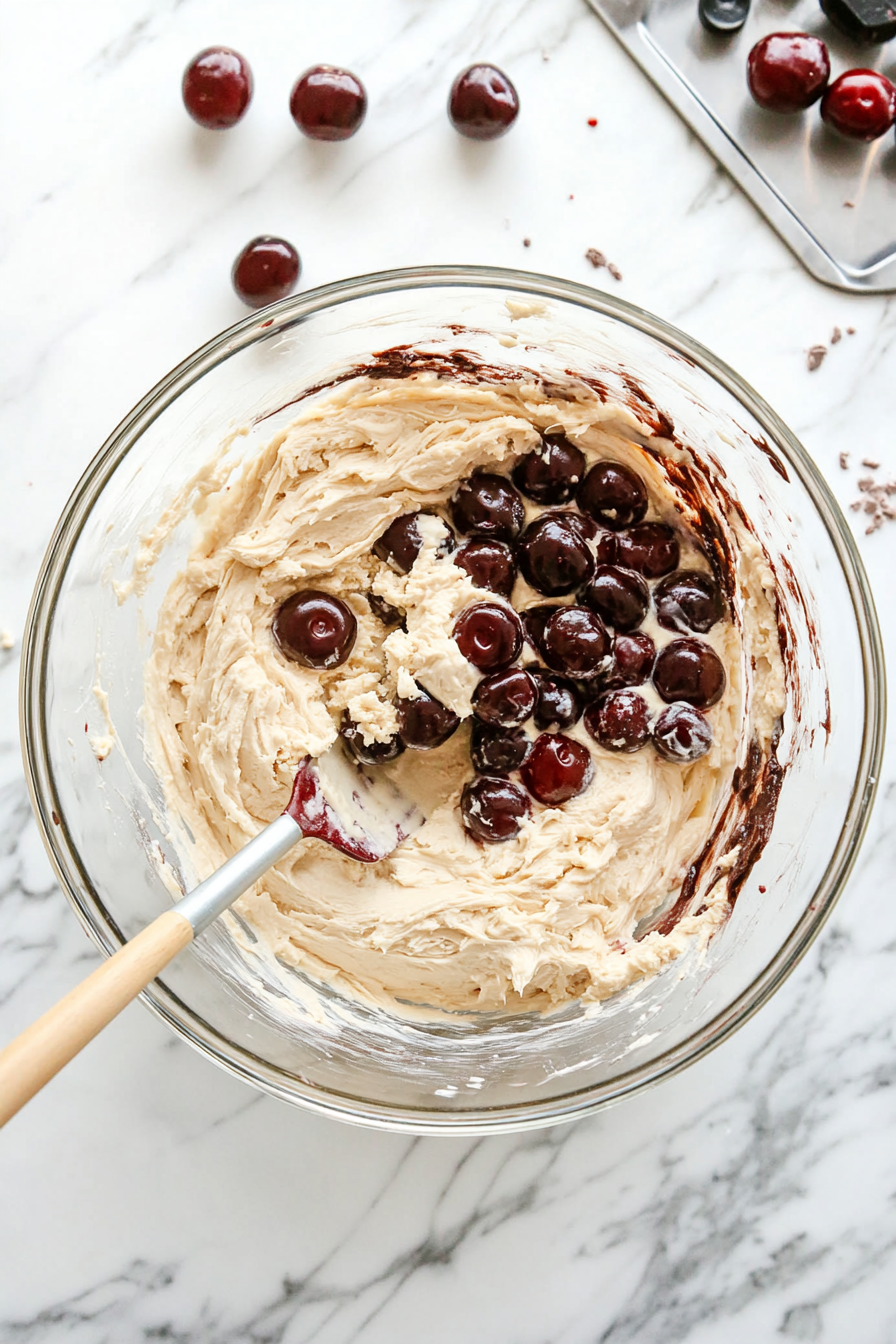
x: 619, y: 721
x: 633, y: 657
x: 559, y: 702
x: 682, y: 734
x: 688, y: 669
x: 575, y: 641
x: 266, y: 270
x: 425, y: 723
x: 493, y: 809
x: 217, y: 87
x: 315, y: 629
x: 483, y: 103
x: 328, y: 103
x: 619, y: 595
x: 490, y: 564
x: 650, y: 548
x: 497, y: 751
x: 487, y: 506
x: 607, y: 549
x: 368, y: 753
x: 505, y: 698
x: 860, y: 104
x: 553, y: 555
x: 557, y: 769
x: 613, y: 495
x: 489, y: 636
x: 688, y: 600
x: 534, y: 620
x: 550, y: 474
x: 787, y: 72
x: 383, y: 610
x: 586, y: 527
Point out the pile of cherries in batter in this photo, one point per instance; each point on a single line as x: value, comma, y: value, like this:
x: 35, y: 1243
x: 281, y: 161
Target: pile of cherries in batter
x: 552, y: 662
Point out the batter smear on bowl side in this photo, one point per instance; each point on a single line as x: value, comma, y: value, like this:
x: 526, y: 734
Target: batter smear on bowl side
x: 532, y: 609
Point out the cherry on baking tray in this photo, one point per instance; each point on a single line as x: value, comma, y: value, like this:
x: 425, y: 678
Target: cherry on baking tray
x: 788, y: 72
x: 425, y: 723
x: 505, y: 698
x: 328, y: 103
x: 489, y: 636
x: 689, y: 670
x: 551, y: 473
x: 266, y: 270
x: 217, y: 88
x: 483, y: 104
x: 860, y: 104
x: 619, y: 720
x: 490, y: 564
x: 553, y: 556
x: 497, y: 751
x: 486, y: 505
x: 557, y: 769
x: 682, y: 734
x: 315, y: 629
x: 493, y: 809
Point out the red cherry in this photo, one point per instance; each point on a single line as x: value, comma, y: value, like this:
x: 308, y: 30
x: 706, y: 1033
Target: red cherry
x: 217, y: 88
x: 619, y: 595
x: 550, y: 474
x: 860, y: 104
x: 483, y: 103
x: 688, y: 600
x: 557, y: 769
x: 559, y: 703
x: 619, y: 720
x: 493, y: 810
x: 425, y: 723
x: 489, y: 636
x: 490, y: 564
x: 613, y: 495
x: 315, y: 629
x: 266, y: 270
x: 553, y: 555
x: 328, y: 103
x: 488, y: 506
x: 575, y: 641
x: 787, y: 72
x: 633, y: 657
x: 650, y: 548
x: 505, y: 698
x: 682, y: 734
x: 688, y: 669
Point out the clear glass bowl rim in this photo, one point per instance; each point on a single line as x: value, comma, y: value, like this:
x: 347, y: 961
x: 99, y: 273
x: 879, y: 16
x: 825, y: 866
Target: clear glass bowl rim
x: 67, y: 863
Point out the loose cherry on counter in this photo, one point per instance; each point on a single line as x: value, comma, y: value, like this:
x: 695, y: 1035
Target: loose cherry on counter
x: 328, y: 103
x: 682, y: 734
x: 490, y: 564
x: 575, y: 642
x: 368, y: 753
x: 619, y: 721
x: 505, y: 698
x: 486, y: 505
x: 489, y: 636
x: 217, y: 88
x: 425, y: 723
x: 860, y: 104
x: 788, y: 72
x: 557, y: 769
x: 551, y: 473
x: 493, y: 810
x: 315, y: 629
x: 266, y: 270
x: 497, y: 751
x: 689, y: 670
x: 553, y: 555
x: 483, y: 104
x: 613, y: 495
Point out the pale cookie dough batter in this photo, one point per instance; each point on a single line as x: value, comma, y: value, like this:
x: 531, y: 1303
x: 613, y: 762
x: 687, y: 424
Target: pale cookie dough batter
x: 445, y: 922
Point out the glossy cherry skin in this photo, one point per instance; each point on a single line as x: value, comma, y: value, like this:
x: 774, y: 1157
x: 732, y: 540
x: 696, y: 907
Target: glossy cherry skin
x: 486, y: 505
x: 689, y: 670
x: 650, y: 548
x: 483, y: 104
x: 559, y: 702
x: 682, y: 734
x: 618, y: 595
x: 425, y: 723
x: 489, y: 636
x: 613, y: 495
x: 534, y: 620
x: 576, y: 642
x: 505, y: 698
x: 688, y: 600
x: 550, y: 474
x: 315, y: 629
x: 619, y: 721
x: 383, y: 610
x: 788, y: 72
x: 217, y: 88
x: 490, y: 564
x: 493, y: 809
x: 632, y: 662
x: 557, y: 769
x: 860, y: 104
x: 553, y: 556
x: 328, y: 103
x: 497, y: 751
x: 266, y: 270
x: 368, y: 753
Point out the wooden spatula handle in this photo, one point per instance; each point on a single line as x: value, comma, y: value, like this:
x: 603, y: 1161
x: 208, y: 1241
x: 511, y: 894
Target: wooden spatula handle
x: 33, y: 1058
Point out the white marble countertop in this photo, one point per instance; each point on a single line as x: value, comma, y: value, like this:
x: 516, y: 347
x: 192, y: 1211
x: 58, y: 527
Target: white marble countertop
x: 145, y: 1194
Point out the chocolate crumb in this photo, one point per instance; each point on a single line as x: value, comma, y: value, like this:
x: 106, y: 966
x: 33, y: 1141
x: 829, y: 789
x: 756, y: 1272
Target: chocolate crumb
x: 836, y: 335
x: 527, y: 242
x: 814, y: 356
x: 592, y: 121
x: 850, y: 205
x: 874, y: 501
x: 844, y: 461
x: 55, y: 816
x: 870, y: 463
x: 614, y: 270
x: 596, y: 258
x: 850, y: 331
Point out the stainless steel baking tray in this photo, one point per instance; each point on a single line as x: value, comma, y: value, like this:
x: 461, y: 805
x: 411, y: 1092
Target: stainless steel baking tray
x: 832, y: 200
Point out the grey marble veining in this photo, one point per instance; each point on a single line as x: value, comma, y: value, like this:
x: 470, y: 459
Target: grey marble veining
x: 145, y: 1194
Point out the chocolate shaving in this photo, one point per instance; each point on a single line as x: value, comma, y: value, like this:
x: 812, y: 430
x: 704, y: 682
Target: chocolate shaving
x: 814, y: 356
x: 875, y: 499
x: 844, y: 461
x: 596, y: 258
x: 614, y: 270
x: 836, y: 335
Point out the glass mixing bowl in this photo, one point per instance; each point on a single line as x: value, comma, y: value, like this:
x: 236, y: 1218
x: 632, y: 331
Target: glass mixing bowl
x: 103, y: 823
